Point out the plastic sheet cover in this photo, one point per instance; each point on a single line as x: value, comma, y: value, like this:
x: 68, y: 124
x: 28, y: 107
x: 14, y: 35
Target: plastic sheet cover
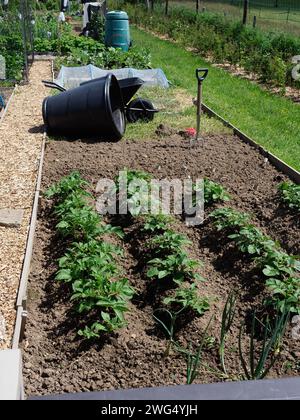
x: 70, y: 77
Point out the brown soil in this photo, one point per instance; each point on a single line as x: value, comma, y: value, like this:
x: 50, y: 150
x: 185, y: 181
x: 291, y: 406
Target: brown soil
x: 56, y: 360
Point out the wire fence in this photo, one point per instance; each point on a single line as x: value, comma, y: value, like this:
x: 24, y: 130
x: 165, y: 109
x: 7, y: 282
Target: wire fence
x: 281, y: 15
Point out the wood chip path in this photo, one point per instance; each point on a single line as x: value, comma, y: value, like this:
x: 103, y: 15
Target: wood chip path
x: 21, y: 136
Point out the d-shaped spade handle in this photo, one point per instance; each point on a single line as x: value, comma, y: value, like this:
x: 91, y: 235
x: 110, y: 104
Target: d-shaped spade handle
x: 201, y: 74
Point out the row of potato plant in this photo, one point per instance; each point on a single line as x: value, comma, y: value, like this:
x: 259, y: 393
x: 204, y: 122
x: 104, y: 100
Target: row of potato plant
x: 280, y: 268
x: 99, y: 292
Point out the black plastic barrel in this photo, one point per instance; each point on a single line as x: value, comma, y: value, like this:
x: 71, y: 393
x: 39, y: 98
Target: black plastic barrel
x: 92, y: 109
x: 128, y: 86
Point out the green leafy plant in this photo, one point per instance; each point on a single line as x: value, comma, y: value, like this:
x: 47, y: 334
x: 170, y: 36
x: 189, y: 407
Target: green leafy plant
x: 135, y: 184
x: 89, y: 265
x: 228, y: 218
x: 177, y: 266
x: 276, y: 262
x: 84, y: 258
x: 290, y: 195
x: 188, y: 298
x: 267, y: 255
x: 80, y: 222
x: 169, y: 329
x: 269, y: 350
x: 251, y: 240
x: 213, y: 192
x: 110, y: 297
x: 155, y: 223
x: 168, y: 242
x: 227, y: 320
x: 285, y: 293
x: 67, y: 185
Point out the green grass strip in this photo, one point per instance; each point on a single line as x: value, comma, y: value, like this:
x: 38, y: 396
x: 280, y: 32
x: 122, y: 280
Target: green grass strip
x: 270, y: 120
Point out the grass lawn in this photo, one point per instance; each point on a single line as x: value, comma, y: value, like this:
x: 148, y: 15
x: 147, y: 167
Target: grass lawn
x: 272, y: 121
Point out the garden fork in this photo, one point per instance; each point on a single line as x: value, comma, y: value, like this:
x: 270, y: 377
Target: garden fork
x: 200, y: 75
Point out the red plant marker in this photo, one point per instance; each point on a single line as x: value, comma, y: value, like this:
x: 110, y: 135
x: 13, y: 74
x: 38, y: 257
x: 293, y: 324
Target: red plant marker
x: 191, y: 132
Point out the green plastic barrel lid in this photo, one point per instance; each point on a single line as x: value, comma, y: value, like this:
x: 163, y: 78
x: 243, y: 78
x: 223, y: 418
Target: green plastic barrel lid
x: 116, y: 14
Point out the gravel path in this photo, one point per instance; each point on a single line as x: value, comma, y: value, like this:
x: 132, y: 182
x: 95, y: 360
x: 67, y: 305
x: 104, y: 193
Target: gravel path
x: 20, y: 144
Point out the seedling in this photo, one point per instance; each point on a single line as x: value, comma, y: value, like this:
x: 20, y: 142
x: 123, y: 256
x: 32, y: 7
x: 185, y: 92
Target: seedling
x: 169, y: 330
x: 227, y: 320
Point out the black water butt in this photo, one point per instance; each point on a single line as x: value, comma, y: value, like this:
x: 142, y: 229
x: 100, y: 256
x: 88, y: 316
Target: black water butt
x: 90, y: 110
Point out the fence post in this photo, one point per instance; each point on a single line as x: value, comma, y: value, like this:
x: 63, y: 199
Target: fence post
x: 254, y: 21
x: 23, y: 24
x: 167, y: 7
x: 197, y: 6
x: 245, y: 13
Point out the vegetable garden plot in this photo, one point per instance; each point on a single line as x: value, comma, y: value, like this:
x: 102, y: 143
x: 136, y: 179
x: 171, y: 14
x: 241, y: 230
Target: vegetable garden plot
x: 140, y: 354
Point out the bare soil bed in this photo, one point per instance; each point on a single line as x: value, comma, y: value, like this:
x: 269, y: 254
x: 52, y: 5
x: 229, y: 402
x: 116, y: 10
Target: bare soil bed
x: 56, y: 360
